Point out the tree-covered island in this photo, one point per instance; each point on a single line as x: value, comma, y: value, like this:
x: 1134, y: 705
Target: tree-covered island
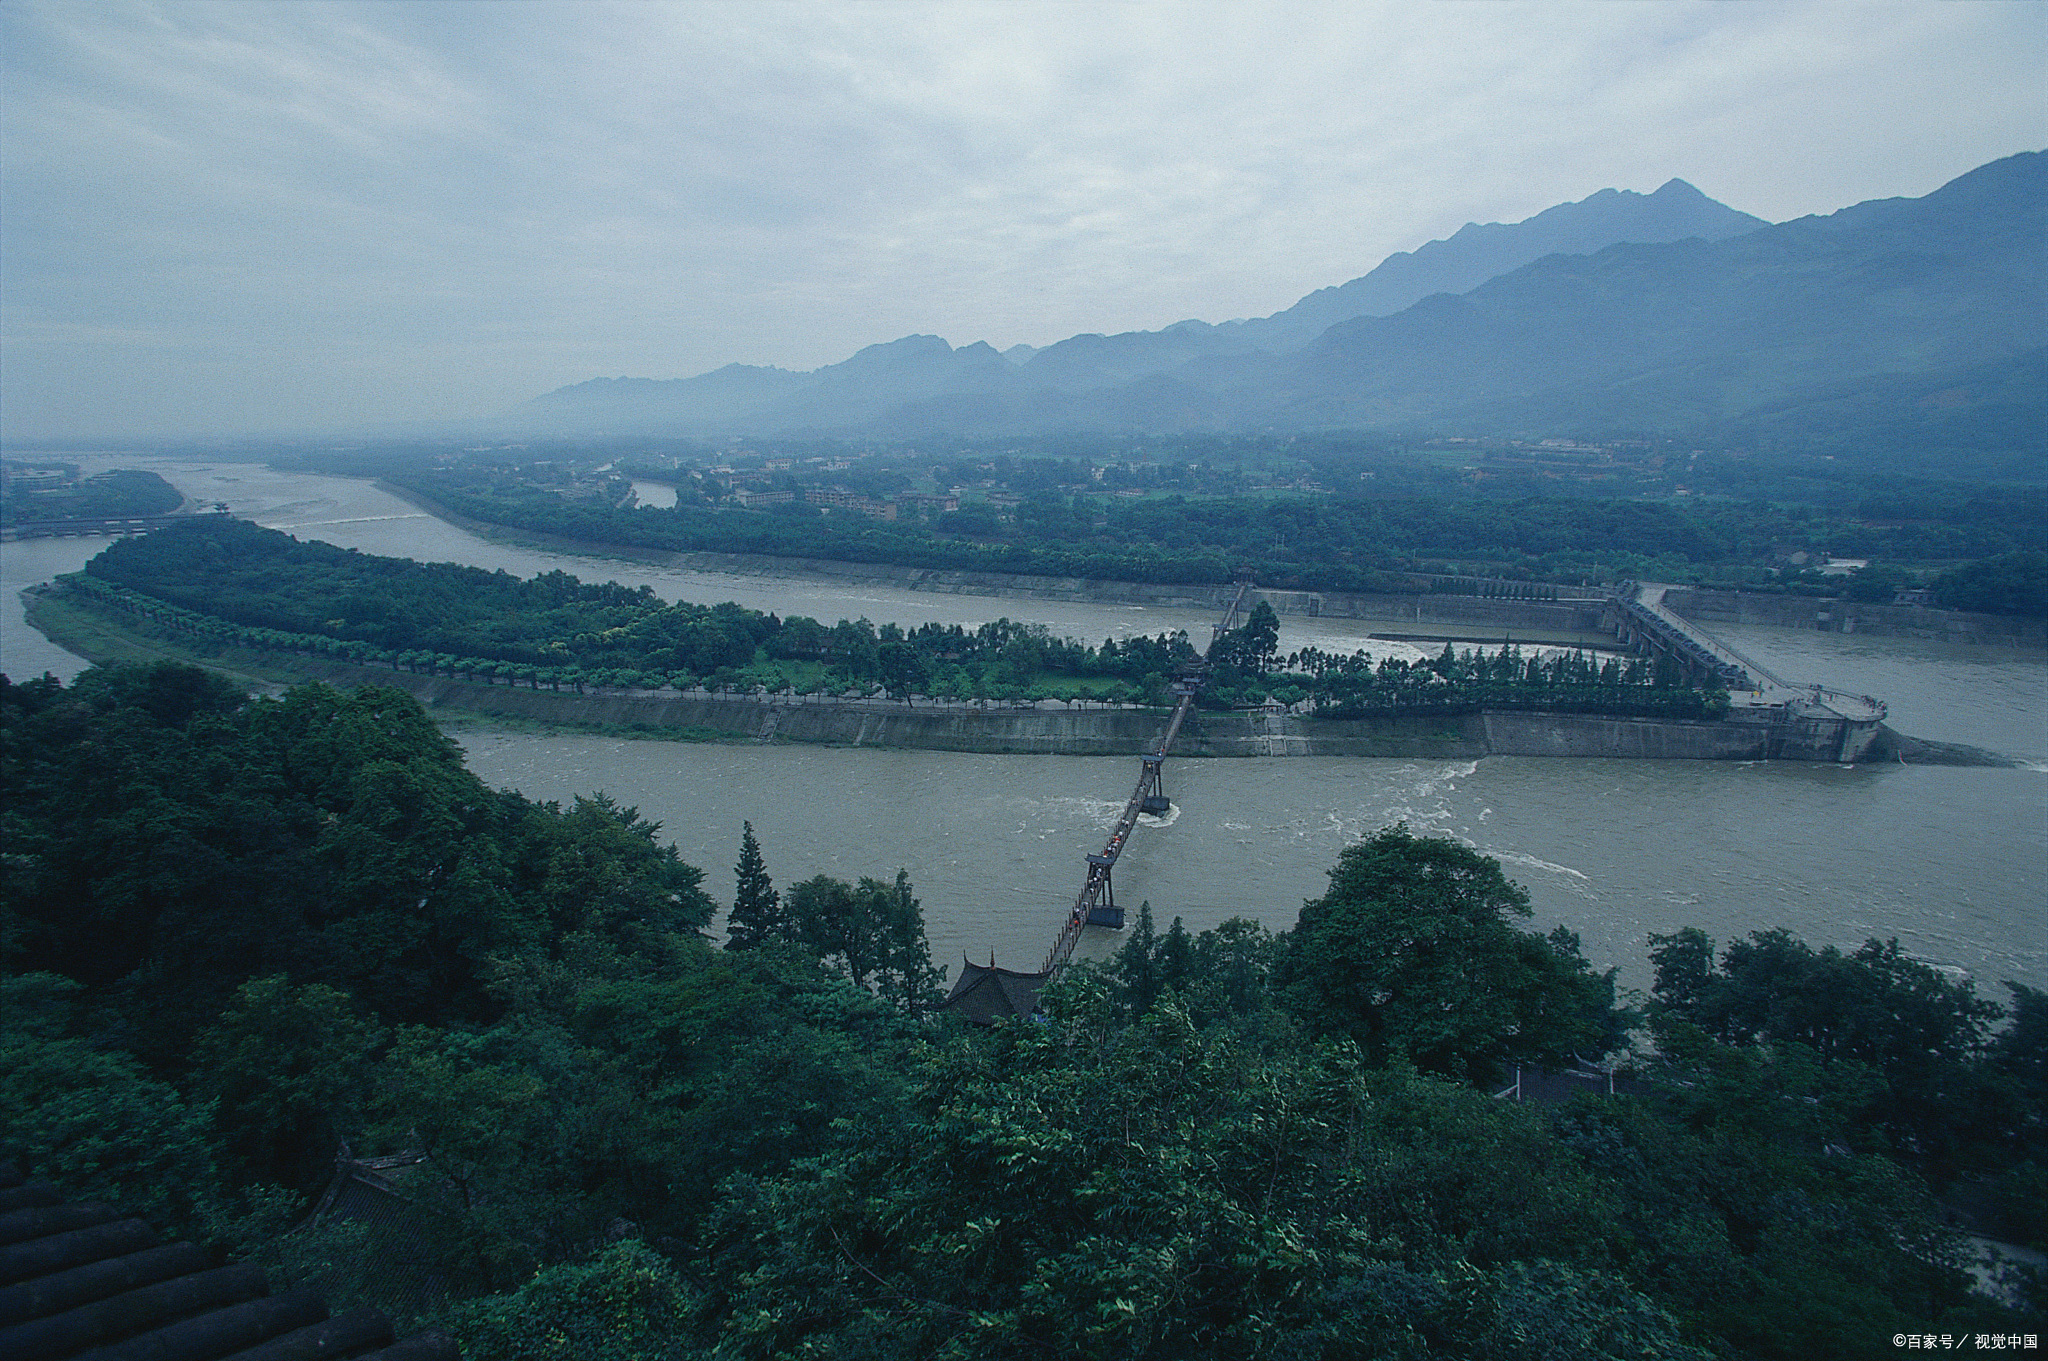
x: 242, y: 936
x: 224, y: 582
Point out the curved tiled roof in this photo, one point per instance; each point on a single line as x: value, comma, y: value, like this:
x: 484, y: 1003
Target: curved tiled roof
x: 983, y: 993
x: 83, y: 1280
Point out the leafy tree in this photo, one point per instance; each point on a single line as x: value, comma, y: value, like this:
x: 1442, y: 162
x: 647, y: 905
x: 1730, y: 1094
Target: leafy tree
x: 286, y: 1069
x: 872, y: 932
x: 1877, y: 583
x: 2011, y: 583
x: 1136, y: 965
x: 1921, y: 1033
x: 95, y: 1123
x: 757, y: 915
x: 1746, y: 1211
x: 1411, y: 954
x: 2019, y: 1055
x: 1170, y: 1191
x: 171, y: 840
x: 625, y: 1304
x: 1260, y: 643
x: 1252, y: 647
x: 1232, y: 970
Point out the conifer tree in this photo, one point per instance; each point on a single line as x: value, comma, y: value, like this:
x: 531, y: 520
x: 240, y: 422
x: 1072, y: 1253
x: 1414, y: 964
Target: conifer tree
x: 757, y: 916
x: 1136, y: 966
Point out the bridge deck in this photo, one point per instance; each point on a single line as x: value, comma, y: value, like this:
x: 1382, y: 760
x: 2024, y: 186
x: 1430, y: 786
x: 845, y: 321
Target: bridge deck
x: 1097, y: 885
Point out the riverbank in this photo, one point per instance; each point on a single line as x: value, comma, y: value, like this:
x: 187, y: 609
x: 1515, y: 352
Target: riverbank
x: 1421, y: 619
x: 1046, y: 728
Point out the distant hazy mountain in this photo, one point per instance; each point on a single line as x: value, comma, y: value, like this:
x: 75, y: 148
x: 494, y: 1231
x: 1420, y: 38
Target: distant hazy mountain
x: 1478, y: 252
x: 1898, y: 319
x: 918, y: 367
x: 723, y: 396
x: 1927, y: 314
x: 1689, y: 331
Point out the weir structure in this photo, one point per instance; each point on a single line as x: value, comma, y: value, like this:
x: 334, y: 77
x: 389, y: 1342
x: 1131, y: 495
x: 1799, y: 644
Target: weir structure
x: 985, y: 994
x: 1811, y: 721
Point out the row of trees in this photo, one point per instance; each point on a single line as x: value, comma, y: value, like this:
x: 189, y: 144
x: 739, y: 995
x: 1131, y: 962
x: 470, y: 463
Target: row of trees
x: 239, y: 584
x: 1247, y: 666
x: 236, y: 933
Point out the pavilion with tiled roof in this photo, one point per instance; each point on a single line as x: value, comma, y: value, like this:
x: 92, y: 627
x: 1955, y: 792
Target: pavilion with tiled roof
x: 984, y: 994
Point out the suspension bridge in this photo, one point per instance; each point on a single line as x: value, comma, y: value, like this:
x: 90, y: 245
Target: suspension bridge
x: 985, y: 993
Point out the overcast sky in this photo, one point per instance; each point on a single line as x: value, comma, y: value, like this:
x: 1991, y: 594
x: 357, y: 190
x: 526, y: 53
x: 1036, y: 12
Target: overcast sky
x: 287, y: 216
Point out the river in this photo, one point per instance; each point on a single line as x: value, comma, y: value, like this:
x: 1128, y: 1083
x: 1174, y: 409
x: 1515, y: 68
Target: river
x: 1948, y: 860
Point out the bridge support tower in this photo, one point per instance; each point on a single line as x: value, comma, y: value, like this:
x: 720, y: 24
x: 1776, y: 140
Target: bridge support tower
x: 1104, y: 911
x: 1152, y: 800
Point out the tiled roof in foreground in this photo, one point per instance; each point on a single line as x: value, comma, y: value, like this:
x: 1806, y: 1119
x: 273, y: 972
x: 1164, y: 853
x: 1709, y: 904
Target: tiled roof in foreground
x: 82, y: 1280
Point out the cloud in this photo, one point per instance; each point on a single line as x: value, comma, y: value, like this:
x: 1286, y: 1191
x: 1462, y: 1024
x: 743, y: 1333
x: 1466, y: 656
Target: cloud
x: 258, y: 216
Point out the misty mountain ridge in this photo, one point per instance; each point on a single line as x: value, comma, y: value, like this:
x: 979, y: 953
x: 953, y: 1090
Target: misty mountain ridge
x: 1475, y: 253
x: 1481, y: 251
x: 1732, y: 320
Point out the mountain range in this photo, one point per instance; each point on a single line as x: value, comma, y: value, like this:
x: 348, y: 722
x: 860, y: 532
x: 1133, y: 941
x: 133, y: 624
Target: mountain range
x: 1622, y: 311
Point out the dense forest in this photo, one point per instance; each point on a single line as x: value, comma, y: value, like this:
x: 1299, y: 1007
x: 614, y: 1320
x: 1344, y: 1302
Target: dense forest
x: 241, y: 934
x: 217, y: 581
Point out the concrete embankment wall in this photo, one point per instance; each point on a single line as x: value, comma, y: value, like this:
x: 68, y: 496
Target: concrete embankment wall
x: 1851, y: 616
x: 1744, y: 735
x: 1126, y: 732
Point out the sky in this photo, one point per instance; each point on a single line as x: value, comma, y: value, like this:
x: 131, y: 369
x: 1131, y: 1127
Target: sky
x: 301, y: 217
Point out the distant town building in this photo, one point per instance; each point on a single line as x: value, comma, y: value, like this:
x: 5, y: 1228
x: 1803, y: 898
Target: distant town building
x: 853, y: 501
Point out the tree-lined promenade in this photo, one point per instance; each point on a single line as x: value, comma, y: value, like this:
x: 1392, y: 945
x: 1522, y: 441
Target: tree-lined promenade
x: 226, y: 583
